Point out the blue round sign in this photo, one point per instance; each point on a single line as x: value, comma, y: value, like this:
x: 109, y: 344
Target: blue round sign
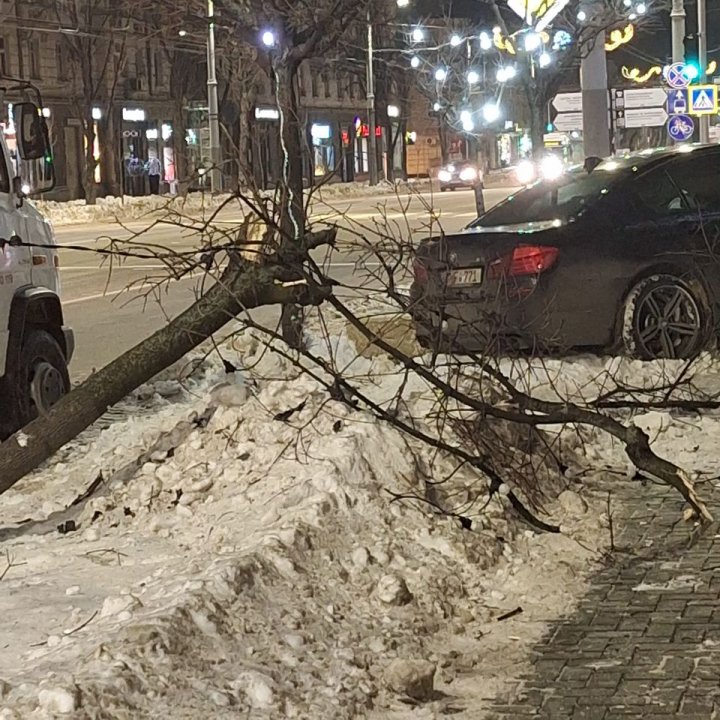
x: 680, y: 127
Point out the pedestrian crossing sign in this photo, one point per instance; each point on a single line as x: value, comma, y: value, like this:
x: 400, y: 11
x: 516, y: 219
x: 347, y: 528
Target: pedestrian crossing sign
x: 703, y: 100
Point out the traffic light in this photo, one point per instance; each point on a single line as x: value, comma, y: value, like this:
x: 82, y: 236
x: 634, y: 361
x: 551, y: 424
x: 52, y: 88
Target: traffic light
x: 692, y: 56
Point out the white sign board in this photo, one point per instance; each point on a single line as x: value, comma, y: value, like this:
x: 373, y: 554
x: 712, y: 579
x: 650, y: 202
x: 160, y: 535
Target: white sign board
x: 645, y: 117
x: 568, y: 121
x: 645, y: 97
x: 568, y: 102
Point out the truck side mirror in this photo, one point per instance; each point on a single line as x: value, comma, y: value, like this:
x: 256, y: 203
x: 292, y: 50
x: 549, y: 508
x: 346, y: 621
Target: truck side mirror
x: 35, y: 161
x: 33, y: 138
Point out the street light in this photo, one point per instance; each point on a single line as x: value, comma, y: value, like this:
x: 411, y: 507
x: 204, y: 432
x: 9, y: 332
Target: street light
x: 213, y: 112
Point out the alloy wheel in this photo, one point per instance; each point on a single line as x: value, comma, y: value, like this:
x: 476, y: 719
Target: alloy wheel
x: 668, y: 322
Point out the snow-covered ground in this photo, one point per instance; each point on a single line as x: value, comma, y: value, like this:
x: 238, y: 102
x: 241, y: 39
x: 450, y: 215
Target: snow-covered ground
x: 243, y: 556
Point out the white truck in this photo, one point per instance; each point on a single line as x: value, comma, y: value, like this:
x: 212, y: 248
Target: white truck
x: 35, y: 344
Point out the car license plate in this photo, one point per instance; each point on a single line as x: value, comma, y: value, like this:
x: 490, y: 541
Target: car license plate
x: 467, y: 276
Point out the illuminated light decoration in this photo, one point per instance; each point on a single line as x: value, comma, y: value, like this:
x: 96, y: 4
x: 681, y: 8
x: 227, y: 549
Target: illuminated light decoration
x: 441, y: 74
x: 491, y: 112
x: 641, y: 8
x: 562, y: 39
x: 437, y: 107
x: 711, y: 68
x: 637, y: 76
x: 532, y: 41
x: 537, y: 13
x: 268, y: 39
x: 544, y: 60
x: 485, y: 41
x: 473, y: 77
x: 455, y: 40
x: 502, y: 43
x: 418, y: 35
x: 415, y: 62
x: 620, y: 37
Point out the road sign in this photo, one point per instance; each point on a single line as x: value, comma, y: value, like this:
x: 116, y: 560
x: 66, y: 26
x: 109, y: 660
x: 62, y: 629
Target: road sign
x: 645, y: 117
x: 568, y: 121
x: 680, y: 127
x: 676, y: 76
x: 703, y: 100
x: 645, y: 97
x: 677, y: 101
x: 570, y: 102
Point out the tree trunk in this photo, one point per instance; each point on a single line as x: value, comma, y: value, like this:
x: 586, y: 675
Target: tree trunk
x: 292, y: 207
x: 537, y: 124
x: 241, y: 287
x: 89, y: 184
x: 180, y: 145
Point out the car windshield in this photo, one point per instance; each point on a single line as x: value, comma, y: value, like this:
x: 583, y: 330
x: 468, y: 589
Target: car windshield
x: 558, y: 199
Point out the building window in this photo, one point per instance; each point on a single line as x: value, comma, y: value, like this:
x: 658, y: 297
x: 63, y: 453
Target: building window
x: 4, y: 67
x: 62, y: 58
x: 325, y: 77
x: 33, y: 47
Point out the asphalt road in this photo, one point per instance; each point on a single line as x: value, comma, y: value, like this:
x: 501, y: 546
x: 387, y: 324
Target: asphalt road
x: 113, y: 307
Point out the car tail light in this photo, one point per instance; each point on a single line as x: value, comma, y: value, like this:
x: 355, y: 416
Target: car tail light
x: 420, y: 271
x: 525, y: 260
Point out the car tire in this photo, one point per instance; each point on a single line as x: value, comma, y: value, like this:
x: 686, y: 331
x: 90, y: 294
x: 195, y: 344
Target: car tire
x: 38, y: 379
x: 665, y: 316
x: 443, y: 189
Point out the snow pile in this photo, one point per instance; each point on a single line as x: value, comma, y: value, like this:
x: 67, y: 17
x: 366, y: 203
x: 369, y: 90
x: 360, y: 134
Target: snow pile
x: 113, y: 209
x: 251, y: 563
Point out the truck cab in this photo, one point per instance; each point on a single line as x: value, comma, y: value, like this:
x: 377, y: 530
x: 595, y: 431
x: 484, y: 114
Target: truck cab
x: 35, y: 345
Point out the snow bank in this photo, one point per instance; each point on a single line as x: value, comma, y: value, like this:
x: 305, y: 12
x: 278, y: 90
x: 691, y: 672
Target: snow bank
x: 251, y: 563
x: 125, y: 209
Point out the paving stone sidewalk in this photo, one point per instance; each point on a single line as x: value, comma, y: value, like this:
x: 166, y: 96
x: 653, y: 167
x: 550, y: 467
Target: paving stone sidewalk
x: 645, y: 641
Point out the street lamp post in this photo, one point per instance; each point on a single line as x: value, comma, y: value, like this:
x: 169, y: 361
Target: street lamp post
x: 213, y: 112
x: 702, y: 59
x: 372, y: 120
x: 677, y: 16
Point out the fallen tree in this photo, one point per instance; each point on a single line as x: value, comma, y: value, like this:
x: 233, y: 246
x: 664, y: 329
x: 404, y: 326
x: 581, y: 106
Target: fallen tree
x: 243, y: 284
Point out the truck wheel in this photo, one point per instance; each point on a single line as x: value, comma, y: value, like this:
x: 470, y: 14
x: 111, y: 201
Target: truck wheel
x: 39, y: 380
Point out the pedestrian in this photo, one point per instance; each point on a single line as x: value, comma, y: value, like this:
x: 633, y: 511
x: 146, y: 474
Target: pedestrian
x: 153, y: 168
x: 479, y: 197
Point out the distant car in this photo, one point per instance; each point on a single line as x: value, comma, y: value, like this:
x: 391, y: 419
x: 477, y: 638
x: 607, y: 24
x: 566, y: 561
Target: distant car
x: 462, y: 174
x: 619, y: 256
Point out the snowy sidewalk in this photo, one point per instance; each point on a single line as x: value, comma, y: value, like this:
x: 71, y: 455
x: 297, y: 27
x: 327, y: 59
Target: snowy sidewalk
x: 645, y: 641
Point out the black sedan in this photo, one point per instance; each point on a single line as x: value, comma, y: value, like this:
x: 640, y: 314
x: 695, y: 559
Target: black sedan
x: 618, y: 255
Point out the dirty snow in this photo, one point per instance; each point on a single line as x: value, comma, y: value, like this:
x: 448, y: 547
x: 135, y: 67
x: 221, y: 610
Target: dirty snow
x: 243, y: 557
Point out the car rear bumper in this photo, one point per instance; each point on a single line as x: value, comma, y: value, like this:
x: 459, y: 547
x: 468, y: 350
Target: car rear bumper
x: 487, y: 327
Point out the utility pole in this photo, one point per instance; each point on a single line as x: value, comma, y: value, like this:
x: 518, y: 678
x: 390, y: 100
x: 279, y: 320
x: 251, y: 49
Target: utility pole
x: 702, y: 60
x: 372, y: 122
x: 594, y: 85
x: 213, y: 114
x: 677, y: 18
